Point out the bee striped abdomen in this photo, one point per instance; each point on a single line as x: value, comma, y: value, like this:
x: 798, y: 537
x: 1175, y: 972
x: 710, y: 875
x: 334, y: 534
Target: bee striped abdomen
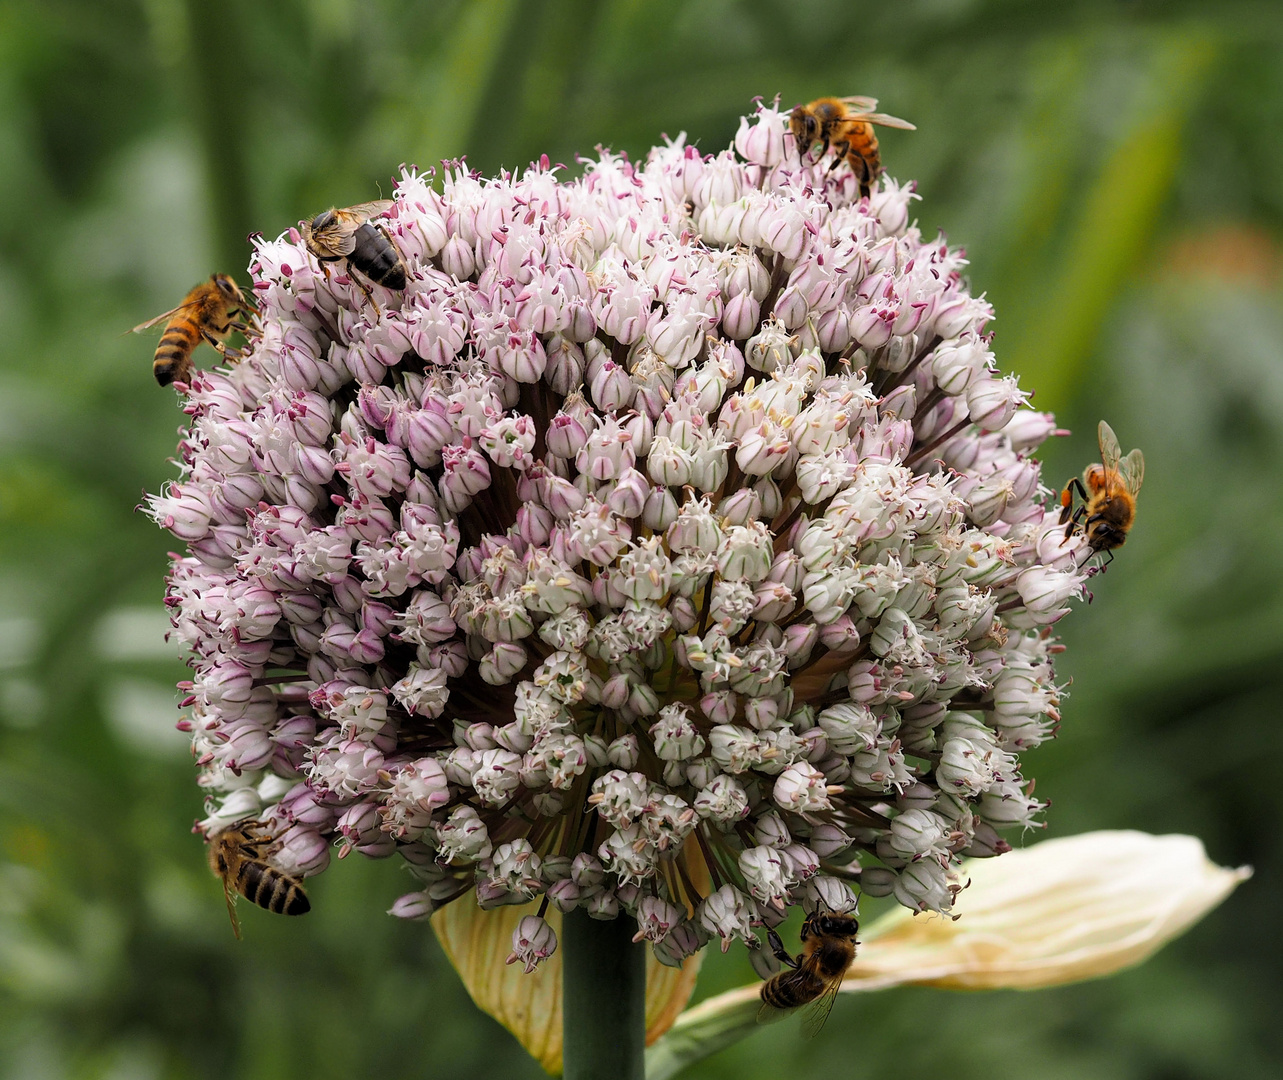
x: 173, y: 354
x: 789, y: 989
x: 269, y: 888
x: 377, y: 259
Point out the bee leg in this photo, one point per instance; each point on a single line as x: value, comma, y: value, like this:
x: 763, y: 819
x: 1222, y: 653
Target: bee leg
x: 781, y: 953
x: 841, y: 149
x: 227, y: 354
x: 865, y: 175
x: 1075, y: 486
x: 1075, y: 522
x: 356, y: 279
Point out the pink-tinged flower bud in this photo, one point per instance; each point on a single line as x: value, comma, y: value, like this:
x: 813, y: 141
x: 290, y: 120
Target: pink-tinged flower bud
x: 602, y: 905
x: 683, y: 940
x: 675, y: 735
x: 532, y: 941
x: 825, y: 893
x: 416, y: 905
x: 768, y: 349
x: 802, y: 789
x: 458, y: 259
x: 986, y: 499
x: 993, y: 402
x: 790, y: 309
x: 783, y: 232
x: 956, y: 365
x: 800, y: 862
x: 762, y: 141
x: 656, y: 918
x: 725, y: 914
x: 624, y: 752
x: 828, y: 840
x: 1006, y: 804
x: 872, y: 324
x: 723, y: 800
x: 568, y: 431
x: 1027, y: 430
x: 839, y: 636
x: 922, y: 886
x: 1044, y: 591
x: 741, y: 316
x: 761, y: 713
x: 610, y: 386
x: 184, y: 510
x: 771, y: 831
x: 765, y: 874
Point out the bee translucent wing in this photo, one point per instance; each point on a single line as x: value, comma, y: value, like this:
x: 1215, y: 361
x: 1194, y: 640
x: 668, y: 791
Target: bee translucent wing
x: 886, y: 121
x: 818, y: 1011
x: 161, y: 318
x: 367, y: 210
x: 769, y: 1014
x: 231, y: 909
x: 864, y: 104
x: 1132, y: 471
x: 1110, y: 451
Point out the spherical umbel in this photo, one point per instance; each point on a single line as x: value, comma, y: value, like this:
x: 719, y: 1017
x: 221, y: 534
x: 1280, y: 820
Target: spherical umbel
x: 669, y: 545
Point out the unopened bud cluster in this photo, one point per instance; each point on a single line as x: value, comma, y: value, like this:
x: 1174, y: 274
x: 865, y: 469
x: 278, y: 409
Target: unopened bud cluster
x: 670, y: 546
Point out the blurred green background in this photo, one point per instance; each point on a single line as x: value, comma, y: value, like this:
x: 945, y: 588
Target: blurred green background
x: 1116, y: 172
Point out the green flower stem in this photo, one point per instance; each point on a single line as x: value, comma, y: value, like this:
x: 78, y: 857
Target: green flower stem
x: 603, y: 999
x: 704, y: 1030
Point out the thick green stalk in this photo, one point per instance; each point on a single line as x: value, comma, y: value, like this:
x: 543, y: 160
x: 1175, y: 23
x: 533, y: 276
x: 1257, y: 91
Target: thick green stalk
x: 603, y: 999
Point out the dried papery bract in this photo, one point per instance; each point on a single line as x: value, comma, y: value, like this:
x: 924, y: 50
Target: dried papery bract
x: 669, y: 546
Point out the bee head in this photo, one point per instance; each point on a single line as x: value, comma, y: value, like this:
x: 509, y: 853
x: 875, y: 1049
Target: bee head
x: 805, y: 128
x: 226, y: 286
x: 322, y: 220
x: 1104, y: 535
x: 836, y: 924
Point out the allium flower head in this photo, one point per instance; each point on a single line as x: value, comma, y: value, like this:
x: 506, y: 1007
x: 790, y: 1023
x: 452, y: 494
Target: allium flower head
x: 670, y: 546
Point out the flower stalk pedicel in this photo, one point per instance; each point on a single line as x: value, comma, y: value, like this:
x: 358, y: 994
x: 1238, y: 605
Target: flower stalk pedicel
x: 670, y: 547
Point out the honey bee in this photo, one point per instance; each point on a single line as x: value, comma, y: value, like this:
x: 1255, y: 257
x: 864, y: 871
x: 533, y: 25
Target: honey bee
x: 846, y: 125
x: 814, y: 977
x: 349, y: 234
x: 209, y: 312
x: 1109, y: 498
x: 238, y: 855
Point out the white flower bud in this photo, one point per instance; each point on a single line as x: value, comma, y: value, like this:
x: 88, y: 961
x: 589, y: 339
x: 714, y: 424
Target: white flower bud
x: 532, y: 941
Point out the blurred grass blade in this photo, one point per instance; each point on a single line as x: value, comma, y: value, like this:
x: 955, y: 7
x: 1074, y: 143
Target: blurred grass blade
x: 1061, y: 911
x: 1051, y: 341
x: 467, y: 69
